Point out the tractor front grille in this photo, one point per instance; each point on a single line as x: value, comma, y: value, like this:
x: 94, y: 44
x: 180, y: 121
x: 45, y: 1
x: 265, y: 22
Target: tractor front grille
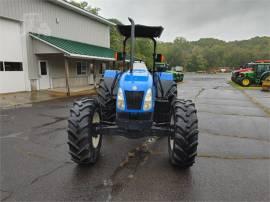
x: 134, y: 99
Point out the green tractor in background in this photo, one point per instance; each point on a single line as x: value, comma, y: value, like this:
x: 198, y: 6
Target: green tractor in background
x: 177, y: 71
x: 254, y: 76
x: 162, y: 67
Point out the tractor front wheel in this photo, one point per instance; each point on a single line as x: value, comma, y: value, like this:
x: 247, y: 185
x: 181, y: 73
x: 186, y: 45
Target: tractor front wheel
x: 84, y: 139
x: 245, y: 82
x: 183, y: 141
x: 106, y: 103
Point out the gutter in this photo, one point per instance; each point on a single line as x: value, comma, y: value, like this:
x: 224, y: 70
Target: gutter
x: 90, y: 57
x: 12, y: 19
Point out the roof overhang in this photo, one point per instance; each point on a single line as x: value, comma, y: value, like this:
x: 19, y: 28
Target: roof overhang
x: 82, y: 12
x: 69, y: 54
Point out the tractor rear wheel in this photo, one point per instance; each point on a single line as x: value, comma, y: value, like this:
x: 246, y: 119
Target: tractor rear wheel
x: 172, y: 92
x: 184, y: 140
x: 84, y: 139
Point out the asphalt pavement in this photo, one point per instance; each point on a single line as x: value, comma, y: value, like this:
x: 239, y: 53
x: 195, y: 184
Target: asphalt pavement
x: 233, y: 162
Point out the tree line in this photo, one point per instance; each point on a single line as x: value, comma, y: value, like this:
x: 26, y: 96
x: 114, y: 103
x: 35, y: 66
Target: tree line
x: 209, y: 53
x: 203, y: 54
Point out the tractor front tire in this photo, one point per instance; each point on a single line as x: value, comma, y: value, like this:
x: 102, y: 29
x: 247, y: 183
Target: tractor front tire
x: 83, y: 138
x: 107, y: 104
x: 184, y: 140
x: 245, y: 82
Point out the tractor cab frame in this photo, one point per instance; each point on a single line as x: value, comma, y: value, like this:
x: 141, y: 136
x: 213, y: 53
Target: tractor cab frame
x: 139, y: 31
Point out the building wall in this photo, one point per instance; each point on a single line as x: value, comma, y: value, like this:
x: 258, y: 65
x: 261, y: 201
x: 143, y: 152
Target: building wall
x: 57, y: 71
x: 11, y: 50
x: 45, y: 17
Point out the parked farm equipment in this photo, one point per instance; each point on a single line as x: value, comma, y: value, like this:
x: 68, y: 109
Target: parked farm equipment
x: 177, y: 71
x: 136, y: 103
x: 255, y: 73
x: 266, y: 84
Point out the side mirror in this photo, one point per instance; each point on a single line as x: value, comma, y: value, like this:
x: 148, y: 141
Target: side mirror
x: 118, y: 56
x: 160, y: 58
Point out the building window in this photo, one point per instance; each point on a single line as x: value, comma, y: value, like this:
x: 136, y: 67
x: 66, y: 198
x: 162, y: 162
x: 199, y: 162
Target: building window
x: 1, y: 66
x: 13, y: 66
x: 81, y: 68
x: 43, y: 68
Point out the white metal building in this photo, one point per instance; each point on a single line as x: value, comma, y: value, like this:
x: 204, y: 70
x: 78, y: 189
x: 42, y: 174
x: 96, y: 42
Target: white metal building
x: 46, y: 43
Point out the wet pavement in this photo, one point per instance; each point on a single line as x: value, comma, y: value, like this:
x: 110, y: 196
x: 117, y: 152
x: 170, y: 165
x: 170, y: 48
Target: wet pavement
x: 19, y: 99
x: 233, y: 160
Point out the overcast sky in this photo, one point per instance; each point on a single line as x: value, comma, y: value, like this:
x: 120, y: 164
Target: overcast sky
x: 193, y: 19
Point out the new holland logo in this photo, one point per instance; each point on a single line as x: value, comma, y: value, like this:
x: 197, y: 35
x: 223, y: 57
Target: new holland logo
x: 134, y: 88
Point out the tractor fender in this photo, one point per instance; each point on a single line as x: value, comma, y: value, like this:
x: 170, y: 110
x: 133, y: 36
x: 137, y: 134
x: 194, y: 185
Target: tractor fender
x: 111, y: 80
x: 264, y: 75
x: 164, y: 82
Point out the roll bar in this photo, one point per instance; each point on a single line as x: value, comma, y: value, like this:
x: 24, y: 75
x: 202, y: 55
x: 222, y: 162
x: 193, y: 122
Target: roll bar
x: 132, y: 31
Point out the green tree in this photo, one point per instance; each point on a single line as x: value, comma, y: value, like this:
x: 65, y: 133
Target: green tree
x: 84, y: 5
x: 116, y: 40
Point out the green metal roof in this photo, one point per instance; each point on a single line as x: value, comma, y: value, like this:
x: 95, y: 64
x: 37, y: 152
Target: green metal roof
x: 75, y: 48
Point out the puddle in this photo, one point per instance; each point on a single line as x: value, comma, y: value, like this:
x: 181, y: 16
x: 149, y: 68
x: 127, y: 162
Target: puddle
x: 127, y: 168
x: 14, y: 135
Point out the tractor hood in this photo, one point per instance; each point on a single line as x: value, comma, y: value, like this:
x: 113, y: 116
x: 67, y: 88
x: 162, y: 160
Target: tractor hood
x: 247, y: 72
x: 243, y: 70
x: 138, y: 80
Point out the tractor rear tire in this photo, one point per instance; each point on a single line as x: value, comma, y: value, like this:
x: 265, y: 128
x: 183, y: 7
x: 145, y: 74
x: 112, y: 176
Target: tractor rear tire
x: 172, y: 92
x: 83, y: 138
x: 107, y: 104
x: 184, y: 140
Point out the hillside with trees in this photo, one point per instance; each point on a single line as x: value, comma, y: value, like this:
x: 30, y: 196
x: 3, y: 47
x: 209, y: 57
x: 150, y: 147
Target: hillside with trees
x: 204, y: 54
x: 210, y: 53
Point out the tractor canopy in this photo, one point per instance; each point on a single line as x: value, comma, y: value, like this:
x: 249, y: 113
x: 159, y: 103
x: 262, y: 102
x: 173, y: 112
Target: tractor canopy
x: 141, y: 31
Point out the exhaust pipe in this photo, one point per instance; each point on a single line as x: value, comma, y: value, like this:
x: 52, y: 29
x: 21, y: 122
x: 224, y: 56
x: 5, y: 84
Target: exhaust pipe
x: 132, y: 43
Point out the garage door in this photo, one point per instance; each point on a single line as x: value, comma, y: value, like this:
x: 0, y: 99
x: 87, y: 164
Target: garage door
x: 12, y: 77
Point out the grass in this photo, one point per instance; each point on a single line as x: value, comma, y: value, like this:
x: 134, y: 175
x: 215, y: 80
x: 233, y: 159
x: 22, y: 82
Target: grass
x: 235, y: 85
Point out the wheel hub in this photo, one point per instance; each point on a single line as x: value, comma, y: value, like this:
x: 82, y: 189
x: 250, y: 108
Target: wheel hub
x: 96, y: 136
x: 245, y: 82
x: 171, y: 138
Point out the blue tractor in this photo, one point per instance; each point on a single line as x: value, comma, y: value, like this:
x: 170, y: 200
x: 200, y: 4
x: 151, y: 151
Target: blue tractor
x: 135, y: 103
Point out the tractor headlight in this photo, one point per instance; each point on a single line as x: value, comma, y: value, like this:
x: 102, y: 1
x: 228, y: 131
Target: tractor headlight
x: 148, y: 100
x: 120, y: 99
